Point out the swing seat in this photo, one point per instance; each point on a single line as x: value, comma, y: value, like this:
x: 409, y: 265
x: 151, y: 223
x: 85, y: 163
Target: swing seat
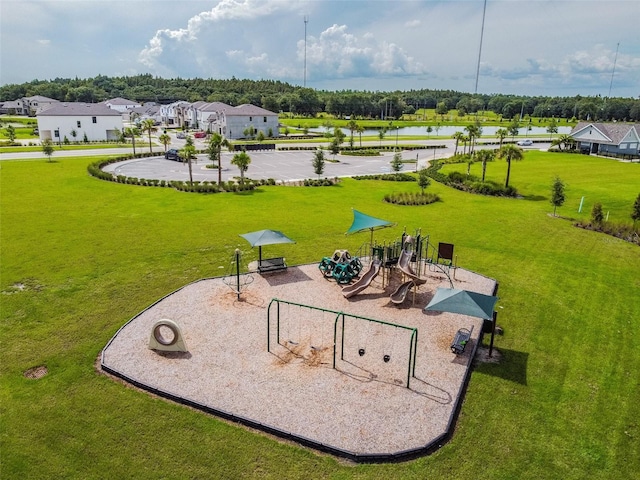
x: 460, y: 340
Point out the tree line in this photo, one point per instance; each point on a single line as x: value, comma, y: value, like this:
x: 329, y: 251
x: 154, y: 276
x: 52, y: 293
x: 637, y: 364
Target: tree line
x: 278, y: 96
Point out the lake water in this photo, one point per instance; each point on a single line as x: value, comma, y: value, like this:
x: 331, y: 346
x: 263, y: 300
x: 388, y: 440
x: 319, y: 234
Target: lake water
x: 446, y: 131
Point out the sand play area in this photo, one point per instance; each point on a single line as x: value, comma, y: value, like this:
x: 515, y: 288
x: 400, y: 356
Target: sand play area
x: 361, y: 409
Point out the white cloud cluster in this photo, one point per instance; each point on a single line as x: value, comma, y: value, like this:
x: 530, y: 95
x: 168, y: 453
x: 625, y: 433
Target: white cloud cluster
x: 214, y: 43
x: 340, y: 54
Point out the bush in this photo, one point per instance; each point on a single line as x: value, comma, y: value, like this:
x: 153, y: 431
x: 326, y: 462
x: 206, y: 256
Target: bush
x: 406, y: 198
x: 392, y: 177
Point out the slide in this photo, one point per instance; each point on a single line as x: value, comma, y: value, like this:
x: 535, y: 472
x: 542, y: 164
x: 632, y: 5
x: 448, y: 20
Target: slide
x: 405, y: 267
x: 401, y: 292
x: 365, y: 280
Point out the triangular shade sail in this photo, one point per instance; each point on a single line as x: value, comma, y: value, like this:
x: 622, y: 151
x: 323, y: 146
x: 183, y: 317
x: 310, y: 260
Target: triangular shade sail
x: 463, y: 302
x: 363, y: 222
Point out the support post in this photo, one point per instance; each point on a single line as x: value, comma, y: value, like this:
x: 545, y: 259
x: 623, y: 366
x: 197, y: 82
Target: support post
x: 493, y: 332
x: 238, y: 272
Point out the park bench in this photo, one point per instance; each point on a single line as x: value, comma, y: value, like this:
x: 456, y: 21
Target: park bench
x: 460, y: 340
x: 272, y: 265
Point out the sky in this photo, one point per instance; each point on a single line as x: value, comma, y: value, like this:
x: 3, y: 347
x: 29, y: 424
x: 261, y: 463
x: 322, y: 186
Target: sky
x: 529, y: 47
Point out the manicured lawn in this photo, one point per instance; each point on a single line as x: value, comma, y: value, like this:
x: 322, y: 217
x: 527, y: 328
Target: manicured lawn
x: 81, y: 256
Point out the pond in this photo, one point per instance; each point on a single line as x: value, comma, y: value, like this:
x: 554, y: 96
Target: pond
x: 446, y: 131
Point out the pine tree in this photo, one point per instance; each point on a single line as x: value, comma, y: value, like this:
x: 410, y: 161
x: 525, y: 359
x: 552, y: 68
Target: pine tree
x: 557, y: 194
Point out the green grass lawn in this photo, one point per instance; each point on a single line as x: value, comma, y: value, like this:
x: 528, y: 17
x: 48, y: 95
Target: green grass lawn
x: 80, y: 257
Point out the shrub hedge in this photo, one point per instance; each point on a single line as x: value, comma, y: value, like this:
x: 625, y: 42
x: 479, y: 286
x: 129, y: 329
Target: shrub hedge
x: 407, y: 198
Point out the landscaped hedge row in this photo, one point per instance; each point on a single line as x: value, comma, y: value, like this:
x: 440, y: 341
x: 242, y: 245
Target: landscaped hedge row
x: 392, y: 177
x: 407, y: 198
x: 293, y: 147
x: 625, y: 232
x: 392, y: 148
x: 96, y: 169
x: 468, y: 183
x: 361, y: 153
x: 319, y: 182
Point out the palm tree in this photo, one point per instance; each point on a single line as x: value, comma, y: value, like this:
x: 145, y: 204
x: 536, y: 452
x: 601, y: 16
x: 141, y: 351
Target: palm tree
x: 464, y: 141
x: 510, y: 152
x: 484, y: 156
x: 352, y: 126
x: 501, y: 133
x: 132, y: 132
x: 563, y: 140
x: 242, y: 161
x: 149, y: 126
x: 360, y: 131
x: 474, y: 132
x: 165, y: 140
x: 458, y: 136
x: 188, y: 152
x: 216, y: 142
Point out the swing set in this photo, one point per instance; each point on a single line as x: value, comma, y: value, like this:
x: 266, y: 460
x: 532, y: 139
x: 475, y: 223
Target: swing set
x: 286, y: 335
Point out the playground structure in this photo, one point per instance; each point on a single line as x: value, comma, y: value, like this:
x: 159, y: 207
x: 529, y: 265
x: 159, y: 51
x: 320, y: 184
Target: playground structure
x: 236, y: 282
x: 364, y: 281
x: 412, y: 255
x: 381, y: 349
x: 340, y: 266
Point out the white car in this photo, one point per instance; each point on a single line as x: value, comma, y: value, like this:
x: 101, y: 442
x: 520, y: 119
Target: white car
x: 525, y: 143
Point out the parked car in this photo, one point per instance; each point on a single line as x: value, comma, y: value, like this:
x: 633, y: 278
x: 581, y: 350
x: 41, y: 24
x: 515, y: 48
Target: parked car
x: 181, y: 135
x: 200, y: 135
x: 173, y: 154
x: 525, y: 143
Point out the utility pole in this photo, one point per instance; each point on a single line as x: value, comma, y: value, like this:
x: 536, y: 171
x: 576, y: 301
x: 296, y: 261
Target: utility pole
x: 484, y: 11
x: 306, y: 20
x: 615, y: 60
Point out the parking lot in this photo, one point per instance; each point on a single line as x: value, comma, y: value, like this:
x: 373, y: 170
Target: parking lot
x: 279, y: 165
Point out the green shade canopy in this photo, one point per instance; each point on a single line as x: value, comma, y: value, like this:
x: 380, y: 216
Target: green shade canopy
x: 463, y: 302
x: 363, y: 222
x: 265, y: 237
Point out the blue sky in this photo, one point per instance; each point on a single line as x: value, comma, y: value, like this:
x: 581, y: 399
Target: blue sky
x: 530, y: 47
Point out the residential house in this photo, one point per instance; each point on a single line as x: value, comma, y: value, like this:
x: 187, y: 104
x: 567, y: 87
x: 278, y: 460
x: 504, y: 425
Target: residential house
x: 209, y: 117
x: 97, y: 121
x: 175, y: 114
x: 11, y: 107
x: 237, y: 120
x: 31, y: 106
x: 612, y: 139
x: 148, y: 111
x: 122, y: 105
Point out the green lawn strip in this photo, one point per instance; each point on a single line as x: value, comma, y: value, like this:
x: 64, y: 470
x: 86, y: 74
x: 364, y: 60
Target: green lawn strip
x: 84, y: 146
x: 92, y: 254
x: 612, y: 183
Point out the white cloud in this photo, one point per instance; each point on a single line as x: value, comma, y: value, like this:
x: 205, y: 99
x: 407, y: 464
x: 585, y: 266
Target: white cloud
x: 224, y: 11
x: 340, y: 54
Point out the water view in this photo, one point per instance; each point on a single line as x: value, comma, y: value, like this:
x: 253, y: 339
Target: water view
x: 445, y: 131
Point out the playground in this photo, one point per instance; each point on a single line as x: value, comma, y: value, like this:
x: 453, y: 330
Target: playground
x: 362, y: 375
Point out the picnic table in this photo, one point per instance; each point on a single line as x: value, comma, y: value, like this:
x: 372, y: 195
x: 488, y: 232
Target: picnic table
x: 267, y: 265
